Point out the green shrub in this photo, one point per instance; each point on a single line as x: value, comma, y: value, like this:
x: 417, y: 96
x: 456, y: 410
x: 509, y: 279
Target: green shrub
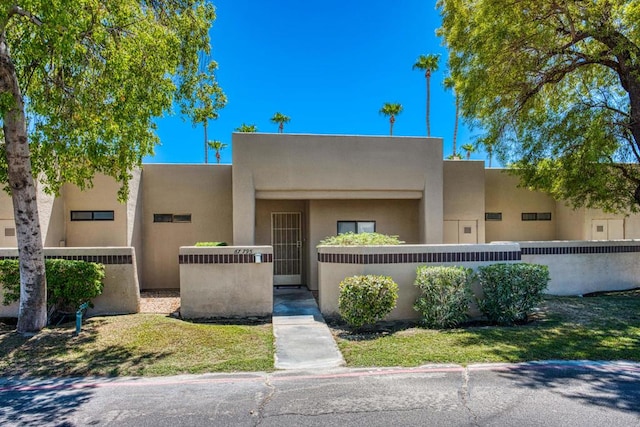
x: 211, y: 244
x: 360, y: 239
x: 511, y: 290
x: 366, y: 299
x: 445, y: 297
x: 69, y: 283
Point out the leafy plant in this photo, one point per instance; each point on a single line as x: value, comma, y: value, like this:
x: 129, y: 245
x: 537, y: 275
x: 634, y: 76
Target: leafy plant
x: 511, y: 290
x: 366, y: 299
x: 446, y: 292
x: 69, y: 283
x: 211, y: 244
x: 361, y: 239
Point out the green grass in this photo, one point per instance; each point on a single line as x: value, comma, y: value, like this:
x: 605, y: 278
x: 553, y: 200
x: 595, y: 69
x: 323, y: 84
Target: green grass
x: 595, y: 328
x: 140, y: 344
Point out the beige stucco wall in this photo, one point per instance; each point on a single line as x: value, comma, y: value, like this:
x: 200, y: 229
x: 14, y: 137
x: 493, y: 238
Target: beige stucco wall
x: 204, y: 191
x: 121, y: 293
x: 464, y: 194
x: 393, y: 217
x: 404, y: 274
x: 503, y: 195
x: 321, y: 167
x: 577, y: 274
x: 6, y: 221
x: 102, y: 196
x: 226, y: 290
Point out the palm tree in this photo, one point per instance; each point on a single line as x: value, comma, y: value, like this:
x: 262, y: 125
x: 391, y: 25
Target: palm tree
x: 245, y: 128
x: 391, y: 110
x: 218, y: 146
x: 281, y: 119
x: 469, y: 148
x: 449, y: 83
x: 428, y: 63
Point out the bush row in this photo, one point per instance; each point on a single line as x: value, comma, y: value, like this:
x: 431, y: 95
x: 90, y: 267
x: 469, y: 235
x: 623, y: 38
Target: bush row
x: 69, y: 283
x: 509, y: 293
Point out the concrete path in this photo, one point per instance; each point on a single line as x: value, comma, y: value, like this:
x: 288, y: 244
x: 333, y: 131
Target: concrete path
x: 303, y: 340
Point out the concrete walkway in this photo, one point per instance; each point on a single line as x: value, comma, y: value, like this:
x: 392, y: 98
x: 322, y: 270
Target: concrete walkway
x: 303, y: 340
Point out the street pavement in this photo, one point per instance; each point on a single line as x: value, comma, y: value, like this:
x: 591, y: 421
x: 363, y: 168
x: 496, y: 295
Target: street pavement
x: 532, y: 394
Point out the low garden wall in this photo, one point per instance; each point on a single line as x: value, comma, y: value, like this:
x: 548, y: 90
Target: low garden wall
x: 121, y: 294
x: 575, y: 267
x: 580, y: 267
x: 400, y: 262
x: 226, y: 281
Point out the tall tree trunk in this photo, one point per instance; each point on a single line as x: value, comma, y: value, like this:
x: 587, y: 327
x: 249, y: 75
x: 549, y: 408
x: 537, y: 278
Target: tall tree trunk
x: 392, y: 120
x: 455, y: 125
x: 281, y: 127
x: 218, y: 156
x: 427, y: 75
x: 32, y: 315
x: 206, y: 144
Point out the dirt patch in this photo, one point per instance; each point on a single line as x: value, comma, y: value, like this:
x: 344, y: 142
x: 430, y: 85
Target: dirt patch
x: 160, y: 302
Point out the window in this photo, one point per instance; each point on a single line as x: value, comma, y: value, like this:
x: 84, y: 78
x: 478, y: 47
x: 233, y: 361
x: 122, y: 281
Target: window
x: 182, y: 218
x: 493, y: 216
x: 356, y: 227
x: 92, y: 216
x: 536, y: 216
x: 185, y: 218
x: 467, y: 230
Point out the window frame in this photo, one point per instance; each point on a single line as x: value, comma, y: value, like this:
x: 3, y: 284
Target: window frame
x: 92, y: 216
x: 356, y: 227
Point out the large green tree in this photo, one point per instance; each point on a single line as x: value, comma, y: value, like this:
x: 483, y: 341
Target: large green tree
x: 556, y: 87
x: 427, y: 63
x: 80, y: 84
x: 391, y: 110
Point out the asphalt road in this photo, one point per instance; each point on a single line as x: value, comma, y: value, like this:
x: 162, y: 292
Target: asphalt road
x: 549, y: 394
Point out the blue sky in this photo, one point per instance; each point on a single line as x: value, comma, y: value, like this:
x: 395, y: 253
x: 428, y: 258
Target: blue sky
x: 329, y: 65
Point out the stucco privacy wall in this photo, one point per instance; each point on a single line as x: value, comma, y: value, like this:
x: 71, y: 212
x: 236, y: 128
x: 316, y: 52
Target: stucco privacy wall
x: 226, y: 281
x: 204, y: 192
x: 121, y: 293
x: 579, y: 267
x: 316, y: 167
x: 399, y: 262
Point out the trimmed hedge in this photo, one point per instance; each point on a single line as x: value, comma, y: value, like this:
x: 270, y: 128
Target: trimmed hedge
x: 360, y: 239
x: 211, y: 244
x: 511, y: 291
x: 446, y: 292
x: 366, y: 299
x: 69, y: 283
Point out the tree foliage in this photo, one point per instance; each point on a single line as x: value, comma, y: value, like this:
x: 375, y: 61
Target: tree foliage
x: 280, y: 119
x: 391, y: 110
x: 81, y: 82
x: 556, y: 87
x: 94, y: 75
x: 245, y: 128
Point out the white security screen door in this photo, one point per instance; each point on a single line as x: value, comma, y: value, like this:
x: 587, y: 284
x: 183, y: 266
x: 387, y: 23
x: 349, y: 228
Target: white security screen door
x: 286, y: 239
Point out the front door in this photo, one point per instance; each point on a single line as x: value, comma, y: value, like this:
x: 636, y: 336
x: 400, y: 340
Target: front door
x: 286, y: 239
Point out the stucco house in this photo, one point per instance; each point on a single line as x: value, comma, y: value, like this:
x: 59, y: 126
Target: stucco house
x: 290, y: 191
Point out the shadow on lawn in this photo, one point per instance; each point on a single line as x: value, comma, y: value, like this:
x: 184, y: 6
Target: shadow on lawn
x: 610, y: 386
x: 58, y: 352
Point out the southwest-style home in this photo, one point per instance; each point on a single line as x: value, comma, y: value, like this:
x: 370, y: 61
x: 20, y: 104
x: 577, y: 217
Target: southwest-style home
x: 290, y: 191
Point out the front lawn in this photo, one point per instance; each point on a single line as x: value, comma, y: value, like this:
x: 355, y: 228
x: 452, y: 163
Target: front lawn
x: 605, y: 327
x: 139, y: 344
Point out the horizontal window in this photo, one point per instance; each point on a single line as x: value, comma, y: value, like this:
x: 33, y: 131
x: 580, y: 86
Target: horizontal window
x: 493, y: 216
x: 356, y: 227
x: 536, y: 216
x: 172, y: 218
x: 92, y: 216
